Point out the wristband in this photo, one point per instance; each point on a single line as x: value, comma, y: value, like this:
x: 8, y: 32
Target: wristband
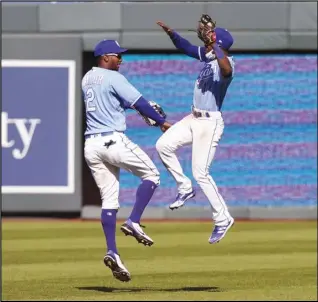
x: 218, y: 51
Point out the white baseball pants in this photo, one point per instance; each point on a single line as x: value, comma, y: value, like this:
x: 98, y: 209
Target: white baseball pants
x: 204, y: 134
x: 105, y: 163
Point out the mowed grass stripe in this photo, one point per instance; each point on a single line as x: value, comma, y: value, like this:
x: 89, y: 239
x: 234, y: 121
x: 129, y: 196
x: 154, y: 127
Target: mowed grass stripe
x: 240, y: 285
x: 51, y: 229
x: 87, y: 253
x: 174, y: 239
x: 291, y: 294
x: 164, y: 265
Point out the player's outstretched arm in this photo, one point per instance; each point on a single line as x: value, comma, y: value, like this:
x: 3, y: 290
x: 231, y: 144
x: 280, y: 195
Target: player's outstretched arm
x: 182, y: 44
x: 132, y: 98
x: 146, y: 110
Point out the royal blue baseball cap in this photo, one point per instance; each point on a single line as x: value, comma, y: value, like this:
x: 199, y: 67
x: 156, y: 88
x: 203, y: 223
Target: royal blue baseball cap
x: 105, y: 47
x: 223, y: 38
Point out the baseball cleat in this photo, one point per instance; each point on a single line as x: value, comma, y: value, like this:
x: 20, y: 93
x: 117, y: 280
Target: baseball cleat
x: 130, y: 228
x: 181, y: 199
x: 220, y: 231
x: 118, y: 269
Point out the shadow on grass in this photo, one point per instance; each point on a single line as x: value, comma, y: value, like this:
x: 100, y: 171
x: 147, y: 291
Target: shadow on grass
x: 149, y: 289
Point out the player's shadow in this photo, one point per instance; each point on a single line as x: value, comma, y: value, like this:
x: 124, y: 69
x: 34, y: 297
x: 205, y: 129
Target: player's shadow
x: 149, y: 289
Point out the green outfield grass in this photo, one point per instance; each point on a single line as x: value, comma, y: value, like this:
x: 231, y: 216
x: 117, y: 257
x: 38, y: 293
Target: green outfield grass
x: 62, y: 260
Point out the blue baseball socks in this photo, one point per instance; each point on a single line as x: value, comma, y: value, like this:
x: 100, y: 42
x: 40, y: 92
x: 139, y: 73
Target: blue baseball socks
x: 108, y: 218
x: 143, y: 196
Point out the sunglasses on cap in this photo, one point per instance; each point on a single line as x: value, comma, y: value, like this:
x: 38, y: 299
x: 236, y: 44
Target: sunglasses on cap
x: 118, y: 55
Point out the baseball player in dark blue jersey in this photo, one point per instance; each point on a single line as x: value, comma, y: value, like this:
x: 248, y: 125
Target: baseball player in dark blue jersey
x: 203, y: 128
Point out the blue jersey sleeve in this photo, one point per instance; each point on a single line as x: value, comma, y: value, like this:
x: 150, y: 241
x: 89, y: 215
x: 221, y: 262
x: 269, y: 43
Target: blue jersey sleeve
x: 186, y: 47
x: 126, y: 91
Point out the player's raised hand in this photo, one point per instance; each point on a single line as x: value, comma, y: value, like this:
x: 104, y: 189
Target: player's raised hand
x: 165, y: 126
x: 164, y: 26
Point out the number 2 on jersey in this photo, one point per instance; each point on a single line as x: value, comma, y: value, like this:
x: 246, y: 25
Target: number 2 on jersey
x: 89, y: 98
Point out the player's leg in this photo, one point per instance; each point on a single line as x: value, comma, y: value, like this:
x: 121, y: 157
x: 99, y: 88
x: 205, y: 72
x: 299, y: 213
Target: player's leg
x: 136, y: 161
x: 167, y: 145
x: 106, y: 177
x: 206, y: 135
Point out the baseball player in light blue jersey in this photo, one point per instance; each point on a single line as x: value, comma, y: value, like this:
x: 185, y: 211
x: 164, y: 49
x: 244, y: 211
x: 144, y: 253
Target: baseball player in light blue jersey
x: 107, y: 94
x: 203, y: 128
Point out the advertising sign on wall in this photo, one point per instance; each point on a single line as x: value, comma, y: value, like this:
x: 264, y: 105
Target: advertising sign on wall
x: 37, y: 126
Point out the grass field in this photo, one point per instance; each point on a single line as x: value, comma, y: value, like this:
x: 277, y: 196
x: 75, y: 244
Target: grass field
x: 62, y: 260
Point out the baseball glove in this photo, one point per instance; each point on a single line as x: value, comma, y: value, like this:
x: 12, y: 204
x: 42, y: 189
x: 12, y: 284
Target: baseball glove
x: 159, y: 110
x: 205, y: 29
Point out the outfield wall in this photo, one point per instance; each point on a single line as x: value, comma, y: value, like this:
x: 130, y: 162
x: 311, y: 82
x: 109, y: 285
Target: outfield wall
x: 256, y: 25
x: 265, y: 166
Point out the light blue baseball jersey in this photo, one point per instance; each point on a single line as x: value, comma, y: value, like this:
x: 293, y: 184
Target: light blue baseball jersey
x: 210, y: 87
x: 107, y: 94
